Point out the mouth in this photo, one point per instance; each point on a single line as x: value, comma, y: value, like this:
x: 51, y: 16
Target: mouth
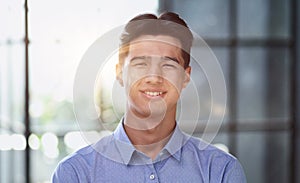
x: 153, y: 94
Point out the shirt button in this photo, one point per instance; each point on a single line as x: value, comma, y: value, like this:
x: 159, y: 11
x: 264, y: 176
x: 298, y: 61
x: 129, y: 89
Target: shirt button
x: 152, y: 177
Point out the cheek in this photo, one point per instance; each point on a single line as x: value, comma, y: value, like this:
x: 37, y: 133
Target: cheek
x: 131, y: 81
x: 133, y: 76
x: 176, y: 80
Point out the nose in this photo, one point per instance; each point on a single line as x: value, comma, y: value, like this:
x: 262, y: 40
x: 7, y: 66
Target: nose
x: 154, y: 75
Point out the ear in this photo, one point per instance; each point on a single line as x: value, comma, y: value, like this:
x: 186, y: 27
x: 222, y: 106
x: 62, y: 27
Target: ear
x: 187, y: 76
x: 119, y: 73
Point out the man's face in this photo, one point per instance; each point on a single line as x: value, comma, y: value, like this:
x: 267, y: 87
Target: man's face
x: 153, y: 75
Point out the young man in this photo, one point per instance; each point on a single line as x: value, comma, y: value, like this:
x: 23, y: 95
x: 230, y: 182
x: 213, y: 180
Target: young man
x: 148, y: 146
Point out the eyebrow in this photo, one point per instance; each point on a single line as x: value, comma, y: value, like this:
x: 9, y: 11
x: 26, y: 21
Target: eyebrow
x: 147, y: 57
x: 138, y: 57
x: 172, y: 58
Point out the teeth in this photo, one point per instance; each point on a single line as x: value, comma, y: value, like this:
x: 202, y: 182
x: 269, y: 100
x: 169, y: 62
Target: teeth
x: 153, y: 93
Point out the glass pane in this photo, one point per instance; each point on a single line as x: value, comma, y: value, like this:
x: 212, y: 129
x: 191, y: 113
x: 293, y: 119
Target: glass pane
x: 263, y: 83
x: 12, y: 86
x: 222, y: 55
x: 263, y: 19
x: 197, y: 96
x: 12, y: 140
x: 12, y: 21
x: 60, y: 33
x: 201, y: 81
x: 264, y: 156
x: 209, y: 19
x: 12, y: 166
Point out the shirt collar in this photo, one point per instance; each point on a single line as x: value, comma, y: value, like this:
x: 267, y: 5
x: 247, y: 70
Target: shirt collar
x: 177, y: 140
x: 126, y: 149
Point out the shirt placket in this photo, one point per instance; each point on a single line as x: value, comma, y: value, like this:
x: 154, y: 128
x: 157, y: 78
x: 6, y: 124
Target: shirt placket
x: 151, y: 175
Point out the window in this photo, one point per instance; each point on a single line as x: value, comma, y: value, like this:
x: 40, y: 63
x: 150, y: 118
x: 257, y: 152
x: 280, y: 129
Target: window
x: 59, y: 33
x: 253, y: 41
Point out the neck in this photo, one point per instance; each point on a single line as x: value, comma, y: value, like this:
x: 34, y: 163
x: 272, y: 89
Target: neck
x: 150, y: 141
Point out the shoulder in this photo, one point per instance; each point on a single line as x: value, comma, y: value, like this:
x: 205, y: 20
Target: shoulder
x: 80, y: 156
x: 68, y: 169
x: 73, y: 167
x: 214, y: 161
x: 203, y: 148
x: 88, y: 153
x: 78, y: 165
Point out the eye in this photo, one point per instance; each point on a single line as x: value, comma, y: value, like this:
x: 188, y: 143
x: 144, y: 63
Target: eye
x: 169, y: 64
x: 139, y: 62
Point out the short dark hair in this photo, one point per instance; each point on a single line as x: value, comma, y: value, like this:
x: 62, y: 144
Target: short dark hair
x: 168, y: 23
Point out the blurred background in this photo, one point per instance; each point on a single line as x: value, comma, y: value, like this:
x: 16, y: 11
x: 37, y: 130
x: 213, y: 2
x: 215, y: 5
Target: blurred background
x: 256, y: 43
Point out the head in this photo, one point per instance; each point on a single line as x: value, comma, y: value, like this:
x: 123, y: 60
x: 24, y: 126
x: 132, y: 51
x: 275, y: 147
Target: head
x: 154, y: 63
x: 168, y: 24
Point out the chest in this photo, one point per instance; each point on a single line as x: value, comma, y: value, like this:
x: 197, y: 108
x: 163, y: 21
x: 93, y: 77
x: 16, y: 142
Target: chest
x: 169, y: 170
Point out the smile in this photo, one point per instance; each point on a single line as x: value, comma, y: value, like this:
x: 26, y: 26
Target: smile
x: 153, y: 94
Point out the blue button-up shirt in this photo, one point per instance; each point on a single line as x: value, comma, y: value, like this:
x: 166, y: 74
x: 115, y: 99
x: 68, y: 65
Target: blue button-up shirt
x: 183, y: 159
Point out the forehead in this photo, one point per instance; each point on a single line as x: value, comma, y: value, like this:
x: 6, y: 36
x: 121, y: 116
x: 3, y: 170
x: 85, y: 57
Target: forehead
x: 159, y: 45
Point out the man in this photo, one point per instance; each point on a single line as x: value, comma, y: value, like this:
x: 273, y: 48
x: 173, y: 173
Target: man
x: 148, y: 145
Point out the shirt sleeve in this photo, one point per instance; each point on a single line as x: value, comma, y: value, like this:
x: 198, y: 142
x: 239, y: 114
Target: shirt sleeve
x: 234, y: 173
x: 65, y: 173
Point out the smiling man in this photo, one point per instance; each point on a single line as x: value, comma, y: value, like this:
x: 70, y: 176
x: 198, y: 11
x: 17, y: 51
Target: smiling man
x: 148, y: 145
